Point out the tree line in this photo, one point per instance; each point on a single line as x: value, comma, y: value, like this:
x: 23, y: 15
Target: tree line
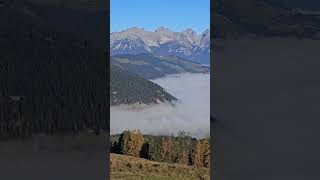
x: 180, y: 149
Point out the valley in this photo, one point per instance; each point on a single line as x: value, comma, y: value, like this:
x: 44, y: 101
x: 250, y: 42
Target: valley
x: 132, y: 75
x: 190, y: 112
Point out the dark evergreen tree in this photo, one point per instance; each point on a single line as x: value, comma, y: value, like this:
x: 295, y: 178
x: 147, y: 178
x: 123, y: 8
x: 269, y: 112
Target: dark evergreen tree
x: 144, y: 152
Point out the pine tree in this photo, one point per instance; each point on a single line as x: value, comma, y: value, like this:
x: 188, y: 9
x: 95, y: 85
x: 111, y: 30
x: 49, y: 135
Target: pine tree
x: 179, y: 147
x: 144, y: 152
x: 156, y: 150
x: 167, y: 145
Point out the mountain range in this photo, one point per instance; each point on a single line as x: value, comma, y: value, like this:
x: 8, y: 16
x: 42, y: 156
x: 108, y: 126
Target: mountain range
x: 162, y: 42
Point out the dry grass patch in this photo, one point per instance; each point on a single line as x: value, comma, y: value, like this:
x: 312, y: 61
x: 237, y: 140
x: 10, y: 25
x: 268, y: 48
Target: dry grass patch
x: 132, y: 168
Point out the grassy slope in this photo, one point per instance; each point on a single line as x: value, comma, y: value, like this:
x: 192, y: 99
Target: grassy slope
x: 132, y: 168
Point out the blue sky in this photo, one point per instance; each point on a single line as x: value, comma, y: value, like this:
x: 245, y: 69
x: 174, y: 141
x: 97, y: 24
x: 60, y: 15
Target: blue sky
x: 177, y: 15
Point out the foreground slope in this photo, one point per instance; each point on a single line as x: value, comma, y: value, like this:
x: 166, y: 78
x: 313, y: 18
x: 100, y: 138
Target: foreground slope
x: 132, y: 168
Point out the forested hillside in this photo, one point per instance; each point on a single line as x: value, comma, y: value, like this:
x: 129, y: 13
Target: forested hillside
x: 129, y: 88
x: 150, y: 66
x: 51, y: 81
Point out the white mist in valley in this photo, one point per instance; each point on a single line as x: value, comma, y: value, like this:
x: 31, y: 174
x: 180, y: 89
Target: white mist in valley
x: 190, y: 114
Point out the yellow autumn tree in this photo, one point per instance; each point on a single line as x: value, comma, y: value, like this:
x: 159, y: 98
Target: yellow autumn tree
x: 205, y: 152
x: 196, y: 155
x: 131, y: 142
x: 184, y: 158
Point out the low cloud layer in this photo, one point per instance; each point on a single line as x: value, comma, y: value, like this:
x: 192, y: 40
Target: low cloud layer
x: 191, y: 113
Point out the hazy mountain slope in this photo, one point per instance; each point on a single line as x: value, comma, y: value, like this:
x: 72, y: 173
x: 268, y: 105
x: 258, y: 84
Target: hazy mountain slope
x: 128, y: 88
x: 83, y: 18
x: 150, y: 66
x: 310, y: 4
x: 57, y: 80
x: 262, y: 18
x: 162, y: 42
x: 86, y: 5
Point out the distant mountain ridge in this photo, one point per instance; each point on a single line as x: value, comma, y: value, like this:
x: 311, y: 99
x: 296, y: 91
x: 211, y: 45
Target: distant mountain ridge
x: 150, y: 66
x: 163, y: 42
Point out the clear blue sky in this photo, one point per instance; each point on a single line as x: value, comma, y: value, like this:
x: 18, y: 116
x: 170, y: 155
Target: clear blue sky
x: 177, y: 15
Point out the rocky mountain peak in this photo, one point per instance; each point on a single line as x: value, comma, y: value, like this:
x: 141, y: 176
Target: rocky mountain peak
x: 206, y: 33
x: 133, y: 29
x: 162, y: 29
x: 189, y: 32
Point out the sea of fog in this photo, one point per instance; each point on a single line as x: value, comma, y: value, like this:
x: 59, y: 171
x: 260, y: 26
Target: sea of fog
x: 190, y: 114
